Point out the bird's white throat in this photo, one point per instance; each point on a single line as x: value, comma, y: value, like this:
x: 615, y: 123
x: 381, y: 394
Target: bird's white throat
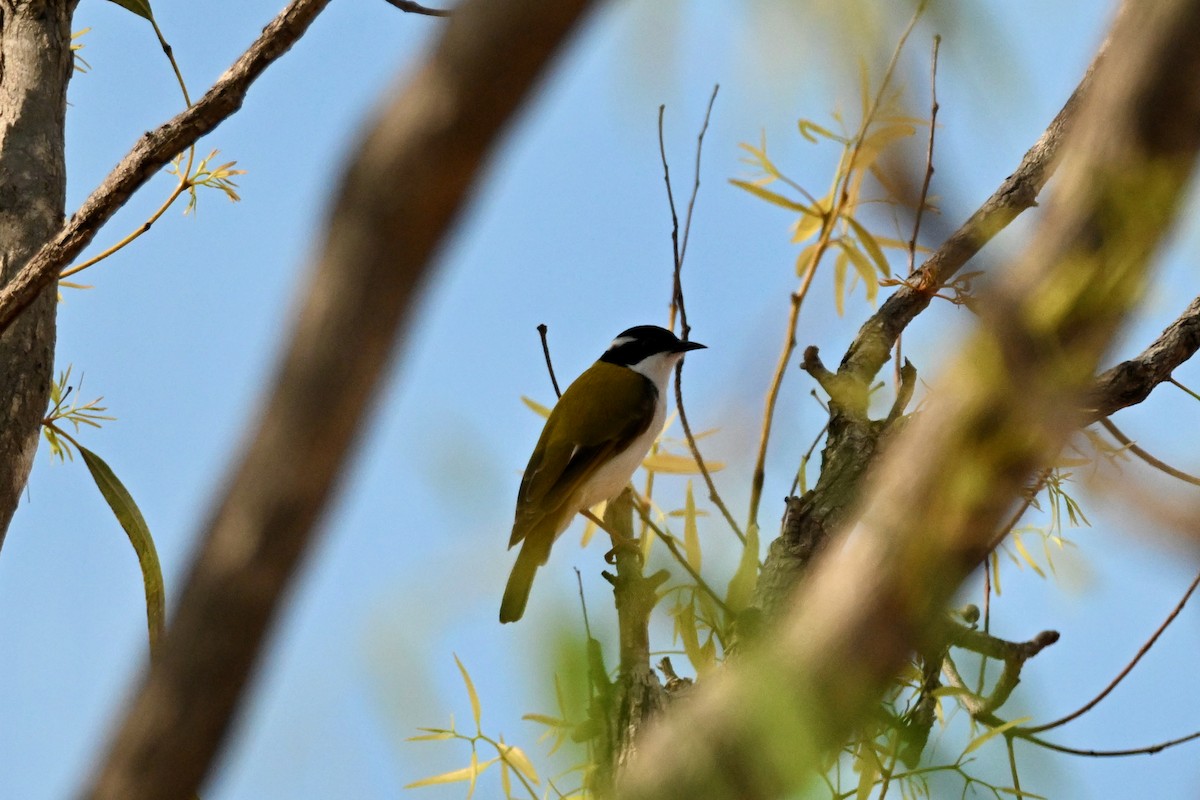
x: 657, y: 369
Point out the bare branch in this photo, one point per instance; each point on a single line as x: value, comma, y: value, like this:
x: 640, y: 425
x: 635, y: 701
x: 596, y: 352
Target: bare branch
x: 153, y: 151
x: 542, y: 331
x: 1145, y: 648
x: 870, y: 349
x: 416, y: 8
x: 1131, y: 382
x: 399, y: 196
x: 1158, y: 464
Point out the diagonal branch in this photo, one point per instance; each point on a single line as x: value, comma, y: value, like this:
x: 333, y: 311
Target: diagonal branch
x: 153, y: 151
x: 1131, y: 382
x: 398, y: 198
x: 869, y: 351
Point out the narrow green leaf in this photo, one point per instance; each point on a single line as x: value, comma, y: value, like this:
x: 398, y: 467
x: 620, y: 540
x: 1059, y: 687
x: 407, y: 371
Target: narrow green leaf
x: 545, y: 719
x: 130, y: 517
x: 1025, y: 554
x: 453, y: 776
x: 515, y: 757
x: 691, y: 536
x: 870, y: 245
x: 139, y: 7
x: 983, y: 738
x: 536, y: 407
x: 804, y: 260
x: 808, y: 128
x: 741, y: 585
x: 839, y: 282
x: 475, y: 712
x: 863, y: 267
x: 772, y: 197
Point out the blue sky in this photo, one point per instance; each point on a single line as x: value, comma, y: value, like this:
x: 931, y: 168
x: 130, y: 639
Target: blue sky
x: 570, y: 228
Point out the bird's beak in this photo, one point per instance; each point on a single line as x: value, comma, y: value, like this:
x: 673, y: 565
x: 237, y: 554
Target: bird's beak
x: 685, y: 346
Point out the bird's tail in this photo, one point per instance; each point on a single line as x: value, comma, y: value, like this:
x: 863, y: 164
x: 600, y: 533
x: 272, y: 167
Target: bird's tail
x: 516, y: 593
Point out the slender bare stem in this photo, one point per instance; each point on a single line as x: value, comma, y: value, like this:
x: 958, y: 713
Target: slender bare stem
x: 1145, y: 648
x: 542, y: 329
x: 1132, y: 447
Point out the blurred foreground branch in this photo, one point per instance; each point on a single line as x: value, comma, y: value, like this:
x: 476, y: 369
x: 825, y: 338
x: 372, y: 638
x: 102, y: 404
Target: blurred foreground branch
x: 399, y: 196
x: 1006, y: 406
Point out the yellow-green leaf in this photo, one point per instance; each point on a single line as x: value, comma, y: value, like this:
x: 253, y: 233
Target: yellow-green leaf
x: 870, y: 245
x: 863, y: 267
x: 453, y: 776
x: 808, y: 225
x: 839, y: 282
x: 689, y: 635
x: 537, y: 407
x: 985, y: 737
x: 1016, y: 537
x: 741, y: 585
x: 431, y: 737
x: 134, y: 524
x: 671, y: 464
x: 515, y: 757
x: 139, y: 7
x: 804, y: 260
x: 691, y: 536
x: 868, y: 767
x: 543, y: 719
x: 808, y: 128
x: 771, y: 197
x: 475, y: 712
x: 878, y: 141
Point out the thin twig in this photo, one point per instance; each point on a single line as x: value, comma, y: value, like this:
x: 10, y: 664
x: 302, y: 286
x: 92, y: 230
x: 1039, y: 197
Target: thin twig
x: 1133, y: 751
x: 1183, y: 388
x: 805, y: 458
x: 676, y: 260
x: 677, y: 304
x: 841, y: 193
x: 542, y: 329
x: 687, y: 219
x: 1145, y: 648
x: 153, y: 151
x: 1144, y: 456
x: 184, y: 175
x: 587, y: 628
x: 924, y: 195
x: 416, y: 8
x: 933, y: 112
x: 1012, y: 765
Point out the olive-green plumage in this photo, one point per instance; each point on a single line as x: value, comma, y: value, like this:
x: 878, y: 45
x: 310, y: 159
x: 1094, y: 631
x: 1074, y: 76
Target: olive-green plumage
x: 571, y: 471
x: 596, y: 436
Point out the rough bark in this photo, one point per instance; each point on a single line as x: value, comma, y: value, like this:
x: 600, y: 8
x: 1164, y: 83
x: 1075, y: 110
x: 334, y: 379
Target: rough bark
x: 35, y: 65
x: 403, y: 190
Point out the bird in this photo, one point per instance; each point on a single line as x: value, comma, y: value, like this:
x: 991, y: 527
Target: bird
x: 595, y: 438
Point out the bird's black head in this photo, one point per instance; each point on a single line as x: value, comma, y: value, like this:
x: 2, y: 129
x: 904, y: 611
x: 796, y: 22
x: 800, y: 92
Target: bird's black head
x: 636, y: 344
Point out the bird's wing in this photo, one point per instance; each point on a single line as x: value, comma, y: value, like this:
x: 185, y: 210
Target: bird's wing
x: 557, y: 471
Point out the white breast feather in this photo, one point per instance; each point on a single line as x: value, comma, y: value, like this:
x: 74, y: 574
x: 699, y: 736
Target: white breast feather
x: 609, y: 480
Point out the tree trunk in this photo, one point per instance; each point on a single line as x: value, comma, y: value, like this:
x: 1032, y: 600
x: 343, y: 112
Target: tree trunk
x: 35, y: 65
